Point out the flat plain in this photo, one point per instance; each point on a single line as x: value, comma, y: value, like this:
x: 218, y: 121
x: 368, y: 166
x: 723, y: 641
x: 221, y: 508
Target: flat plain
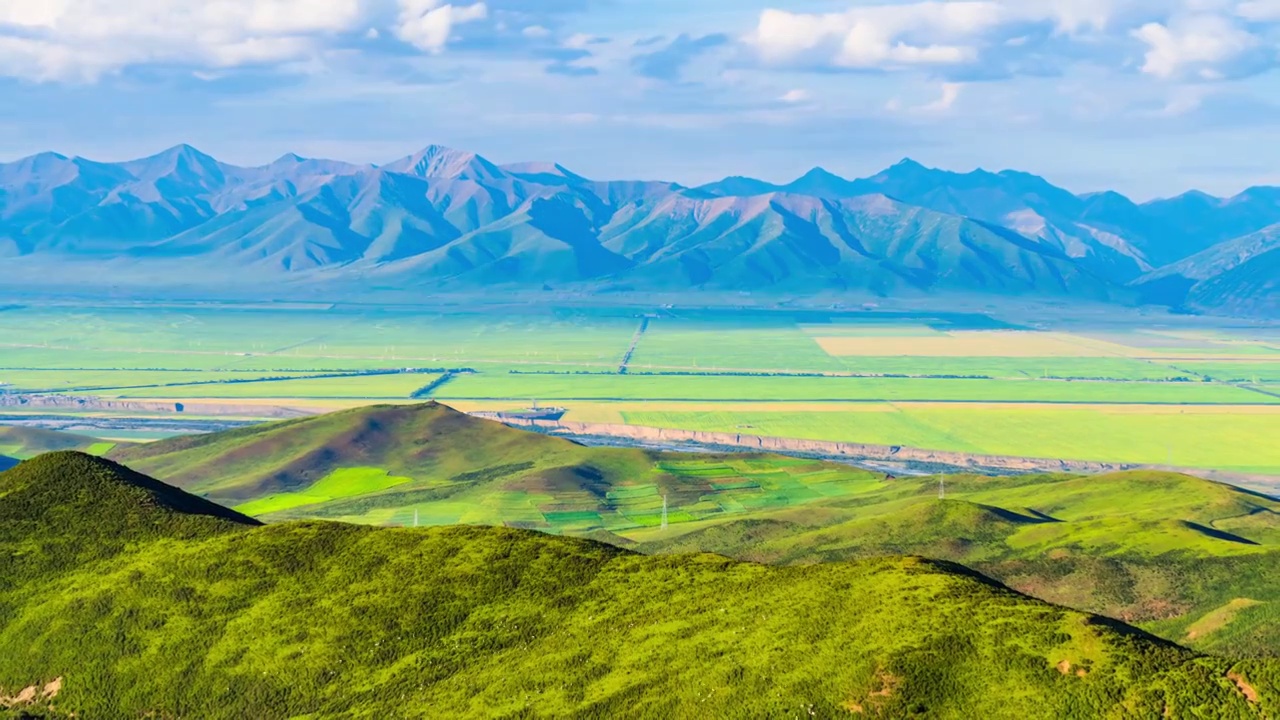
x: 1188, y: 392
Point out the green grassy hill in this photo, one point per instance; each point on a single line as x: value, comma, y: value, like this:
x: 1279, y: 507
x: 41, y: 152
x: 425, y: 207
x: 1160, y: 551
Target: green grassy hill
x: 1194, y: 561
x: 27, y: 442
x: 1163, y: 550
x: 384, y: 464
x: 194, y: 611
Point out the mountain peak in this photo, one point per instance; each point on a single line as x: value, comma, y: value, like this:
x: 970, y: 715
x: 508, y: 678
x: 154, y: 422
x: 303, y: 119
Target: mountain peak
x: 820, y: 173
x: 39, y: 162
x: 438, y: 161
x: 907, y: 163
x: 182, y: 162
x: 182, y: 150
x: 821, y: 182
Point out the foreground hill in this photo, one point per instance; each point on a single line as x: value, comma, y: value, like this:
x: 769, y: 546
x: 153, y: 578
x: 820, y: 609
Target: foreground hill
x: 1195, y: 561
x: 445, y: 220
x: 199, y: 613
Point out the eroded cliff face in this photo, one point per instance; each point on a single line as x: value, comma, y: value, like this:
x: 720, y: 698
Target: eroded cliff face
x: 84, y: 403
x: 793, y: 445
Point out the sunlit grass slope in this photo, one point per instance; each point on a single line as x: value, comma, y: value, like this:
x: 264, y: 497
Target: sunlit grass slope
x: 1161, y: 549
x: 1164, y: 550
x: 193, y: 611
x: 390, y: 464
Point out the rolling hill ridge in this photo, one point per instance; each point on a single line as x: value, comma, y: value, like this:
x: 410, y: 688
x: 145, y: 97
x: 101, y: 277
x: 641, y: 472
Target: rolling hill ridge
x: 1159, y: 549
x: 325, y: 619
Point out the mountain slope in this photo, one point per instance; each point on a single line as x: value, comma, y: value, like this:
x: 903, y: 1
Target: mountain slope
x: 64, y: 509
x: 328, y: 620
x: 867, y: 243
x: 1159, y: 549
x: 1239, y: 276
x: 445, y: 220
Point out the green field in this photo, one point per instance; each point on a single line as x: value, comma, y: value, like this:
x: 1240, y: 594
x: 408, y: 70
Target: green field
x: 721, y: 388
x: 121, y: 597
x: 104, y: 381
x: 1063, y: 377
x: 1238, y: 442
x: 369, y: 387
x: 344, y: 483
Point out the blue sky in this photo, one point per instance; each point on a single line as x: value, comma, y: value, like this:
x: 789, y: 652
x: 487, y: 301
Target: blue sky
x: 1150, y: 97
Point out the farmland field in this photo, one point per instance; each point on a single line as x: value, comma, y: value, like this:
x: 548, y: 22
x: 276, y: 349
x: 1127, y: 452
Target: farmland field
x: 1194, y: 392
x: 1224, y: 438
x: 716, y: 388
x: 371, y: 387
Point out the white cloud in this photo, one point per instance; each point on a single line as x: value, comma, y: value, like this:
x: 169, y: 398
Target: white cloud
x: 1194, y: 45
x: 579, y: 41
x: 932, y: 32
x: 1205, y: 39
x: 795, y: 96
x: 535, y: 31
x: 944, y: 104
x: 1259, y: 10
x: 428, y: 25
x: 84, y: 39
x: 950, y: 94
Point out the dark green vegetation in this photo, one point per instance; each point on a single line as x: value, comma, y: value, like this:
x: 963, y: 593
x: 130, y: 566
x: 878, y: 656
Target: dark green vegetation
x: 1194, y: 561
x: 192, y: 611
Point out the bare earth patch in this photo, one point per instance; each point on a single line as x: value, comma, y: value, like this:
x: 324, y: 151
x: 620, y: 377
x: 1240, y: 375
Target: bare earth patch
x: 1217, y: 619
x: 29, y: 695
x: 1245, y: 688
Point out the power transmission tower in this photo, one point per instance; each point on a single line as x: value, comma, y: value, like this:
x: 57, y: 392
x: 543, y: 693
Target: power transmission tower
x: 942, y: 487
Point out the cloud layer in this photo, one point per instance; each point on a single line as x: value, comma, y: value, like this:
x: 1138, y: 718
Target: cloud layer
x: 83, y: 39
x: 1176, y: 39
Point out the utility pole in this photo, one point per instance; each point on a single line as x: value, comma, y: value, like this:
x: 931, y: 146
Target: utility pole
x: 415, y: 517
x: 942, y: 487
x: 664, y: 512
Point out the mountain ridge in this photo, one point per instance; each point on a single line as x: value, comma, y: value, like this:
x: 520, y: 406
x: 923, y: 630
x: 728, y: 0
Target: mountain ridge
x: 443, y: 218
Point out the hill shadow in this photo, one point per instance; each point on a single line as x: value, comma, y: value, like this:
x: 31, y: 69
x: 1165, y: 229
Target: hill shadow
x: 1217, y: 534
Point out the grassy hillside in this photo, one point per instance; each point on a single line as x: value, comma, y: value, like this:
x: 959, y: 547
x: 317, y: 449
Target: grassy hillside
x: 197, y: 612
x: 1193, y: 561
x: 27, y: 442
x: 384, y: 465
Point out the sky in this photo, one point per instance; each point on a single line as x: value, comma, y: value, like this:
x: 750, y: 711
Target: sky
x: 1147, y: 97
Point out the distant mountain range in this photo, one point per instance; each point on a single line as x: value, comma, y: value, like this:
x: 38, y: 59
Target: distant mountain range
x: 444, y: 219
